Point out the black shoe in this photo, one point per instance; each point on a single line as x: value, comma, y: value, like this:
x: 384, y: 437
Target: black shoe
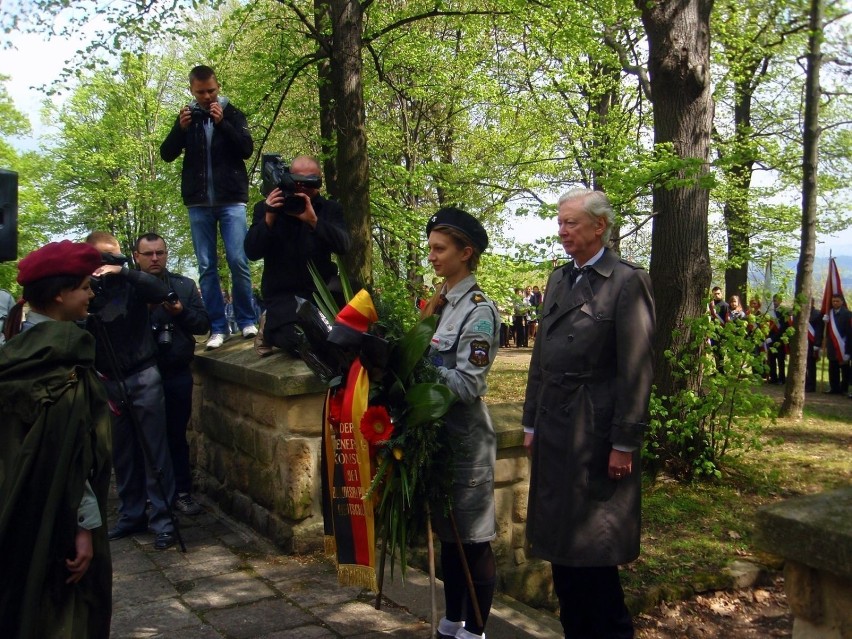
x: 125, y: 530
x: 164, y: 540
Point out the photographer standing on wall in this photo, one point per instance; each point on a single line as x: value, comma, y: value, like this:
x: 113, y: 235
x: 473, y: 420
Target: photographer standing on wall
x: 214, y: 137
x: 127, y: 355
x: 293, y: 226
x: 174, y: 323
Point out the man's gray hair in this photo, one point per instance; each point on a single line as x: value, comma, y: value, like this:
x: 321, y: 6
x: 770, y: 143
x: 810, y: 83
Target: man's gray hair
x: 596, y: 204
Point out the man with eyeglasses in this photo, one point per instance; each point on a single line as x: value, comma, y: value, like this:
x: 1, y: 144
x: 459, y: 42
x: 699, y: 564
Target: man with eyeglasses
x: 175, y: 322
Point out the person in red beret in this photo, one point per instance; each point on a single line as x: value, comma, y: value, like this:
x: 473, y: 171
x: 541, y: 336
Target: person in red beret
x: 54, y: 456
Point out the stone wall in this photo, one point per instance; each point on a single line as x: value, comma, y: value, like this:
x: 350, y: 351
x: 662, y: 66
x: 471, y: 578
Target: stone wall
x: 255, y: 442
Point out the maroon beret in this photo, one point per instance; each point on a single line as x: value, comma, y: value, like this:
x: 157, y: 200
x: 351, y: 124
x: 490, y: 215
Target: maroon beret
x: 59, y: 258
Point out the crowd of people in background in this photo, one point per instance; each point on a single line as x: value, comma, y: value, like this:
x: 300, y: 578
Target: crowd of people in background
x: 829, y: 334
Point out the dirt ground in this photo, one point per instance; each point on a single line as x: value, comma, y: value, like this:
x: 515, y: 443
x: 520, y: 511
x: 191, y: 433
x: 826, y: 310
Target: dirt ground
x: 760, y: 612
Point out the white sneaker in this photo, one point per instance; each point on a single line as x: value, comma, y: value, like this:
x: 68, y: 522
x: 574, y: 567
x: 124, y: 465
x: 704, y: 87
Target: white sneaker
x: 461, y: 633
x: 447, y: 628
x: 215, y: 341
x: 250, y: 331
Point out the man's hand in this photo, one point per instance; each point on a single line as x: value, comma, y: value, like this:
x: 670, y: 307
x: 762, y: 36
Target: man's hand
x: 173, y: 308
x: 216, y: 112
x: 620, y: 464
x: 308, y: 216
x: 84, y: 553
x: 528, y: 441
x: 107, y: 269
x: 185, y: 118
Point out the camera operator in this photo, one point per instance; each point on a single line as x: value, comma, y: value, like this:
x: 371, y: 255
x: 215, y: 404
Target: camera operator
x: 290, y: 228
x: 214, y: 138
x: 126, y: 354
x: 174, y: 323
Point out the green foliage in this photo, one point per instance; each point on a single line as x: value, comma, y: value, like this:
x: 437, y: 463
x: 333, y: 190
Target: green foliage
x: 694, y: 433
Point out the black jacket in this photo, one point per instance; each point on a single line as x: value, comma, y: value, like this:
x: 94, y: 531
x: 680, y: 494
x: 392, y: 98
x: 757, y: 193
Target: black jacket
x: 286, y: 249
x: 231, y: 146
x: 177, y: 355
x: 122, y: 325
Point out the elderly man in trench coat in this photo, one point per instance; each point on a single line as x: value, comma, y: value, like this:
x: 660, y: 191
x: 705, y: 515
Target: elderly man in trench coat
x: 584, y: 415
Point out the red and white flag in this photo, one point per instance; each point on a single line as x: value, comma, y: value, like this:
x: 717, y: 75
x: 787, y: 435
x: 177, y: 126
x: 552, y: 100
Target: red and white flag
x: 833, y: 287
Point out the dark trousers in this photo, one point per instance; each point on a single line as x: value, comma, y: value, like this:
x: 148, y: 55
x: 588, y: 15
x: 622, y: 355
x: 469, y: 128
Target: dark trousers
x: 811, y: 370
x: 777, y: 361
x: 591, y: 603
x: 838, y: 376
x: 135, y: 471
x: 520, y: 331
x: 177, y: 388
x: 483, y: 572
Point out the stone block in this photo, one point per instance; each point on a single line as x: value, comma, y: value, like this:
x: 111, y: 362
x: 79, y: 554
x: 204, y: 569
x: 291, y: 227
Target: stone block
x: 804, y: 591
x: 263, y: 484
x: 259, y: 519
x: 512, y: 466
x: 744, y: 574
x: 265, y: 444
x: 280, y: 533
x: 241, y: 505
x: 304, y: 415
x: 299, y: 468
x: 267, y: 410
x: 531, y: 583
x: 815, y: 530
x: 503, y: 508
x: 244, y: 440
x: 519, y: 502
x: 519, y: 535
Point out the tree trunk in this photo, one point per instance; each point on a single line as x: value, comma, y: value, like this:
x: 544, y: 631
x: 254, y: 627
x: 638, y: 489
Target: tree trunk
x: 794, y: 391
x: 325, y: 89
x: 679, y: 55
x: 736, y: 212
x: 353, y: 170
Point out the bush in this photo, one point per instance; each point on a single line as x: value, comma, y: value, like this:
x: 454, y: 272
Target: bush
x: 717, y: 413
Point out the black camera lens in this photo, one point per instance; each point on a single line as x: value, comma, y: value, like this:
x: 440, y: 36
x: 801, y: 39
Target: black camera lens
x: 172, y: 298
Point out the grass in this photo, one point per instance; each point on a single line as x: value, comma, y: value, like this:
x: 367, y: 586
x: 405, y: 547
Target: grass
x: 691, y: 532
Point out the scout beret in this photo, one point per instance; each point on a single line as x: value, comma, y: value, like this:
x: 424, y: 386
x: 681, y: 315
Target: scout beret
x: 59, y: 258
x: 461, y: 221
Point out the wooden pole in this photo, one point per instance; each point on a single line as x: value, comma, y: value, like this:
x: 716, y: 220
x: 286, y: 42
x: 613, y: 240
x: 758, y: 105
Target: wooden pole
x: 430, y: 545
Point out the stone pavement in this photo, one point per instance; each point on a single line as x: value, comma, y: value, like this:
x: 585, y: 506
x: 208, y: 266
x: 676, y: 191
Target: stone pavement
x: 233, y: 584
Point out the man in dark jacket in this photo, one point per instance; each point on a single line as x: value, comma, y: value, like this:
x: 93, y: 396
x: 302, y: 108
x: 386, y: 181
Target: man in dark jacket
x: 126, y: 355
x: 815, y: 332
x: 838, y: 329
x: 175, y: 322
x: 584, y: 415
x: 214, y: 137
x: 287, y: 243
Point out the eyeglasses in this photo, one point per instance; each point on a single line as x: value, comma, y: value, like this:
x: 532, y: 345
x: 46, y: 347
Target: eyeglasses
x: 153, y: 253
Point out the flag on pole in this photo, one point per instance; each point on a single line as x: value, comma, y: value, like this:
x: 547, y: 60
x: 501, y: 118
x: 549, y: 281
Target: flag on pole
x: 833, y: 287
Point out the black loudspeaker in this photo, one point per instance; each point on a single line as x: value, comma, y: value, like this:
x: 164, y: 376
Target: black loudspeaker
x: 8, y: 216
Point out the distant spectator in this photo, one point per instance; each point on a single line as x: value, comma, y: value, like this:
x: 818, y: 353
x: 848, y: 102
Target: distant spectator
x: 735, y: 311
x: 837, y: 331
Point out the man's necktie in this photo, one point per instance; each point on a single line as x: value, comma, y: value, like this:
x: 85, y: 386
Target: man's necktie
x: 577, y: 271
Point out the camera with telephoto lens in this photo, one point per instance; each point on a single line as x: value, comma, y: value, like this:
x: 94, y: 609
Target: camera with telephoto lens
x: 164, y: 333
x: 276, y: 173
x: 97, y: 282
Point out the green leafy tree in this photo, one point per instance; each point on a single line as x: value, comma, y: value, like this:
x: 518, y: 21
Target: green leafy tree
x: 106, y: 173
x: 29, y: 166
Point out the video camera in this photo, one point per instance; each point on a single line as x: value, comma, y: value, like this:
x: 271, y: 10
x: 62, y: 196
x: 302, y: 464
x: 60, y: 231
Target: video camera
x: 97, y: 282
x: 276, y: 173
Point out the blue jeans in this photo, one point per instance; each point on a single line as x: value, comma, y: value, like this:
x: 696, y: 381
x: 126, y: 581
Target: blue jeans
x: 203, y: 221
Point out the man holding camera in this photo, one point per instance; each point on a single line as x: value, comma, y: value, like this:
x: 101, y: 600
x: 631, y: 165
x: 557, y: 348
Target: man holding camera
x: 291, y: 228
x: 214, y: 137
x: 174, y: 323
x: 126, y: 355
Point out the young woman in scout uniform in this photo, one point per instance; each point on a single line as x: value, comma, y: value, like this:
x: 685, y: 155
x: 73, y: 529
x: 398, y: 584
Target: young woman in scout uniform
x: 463, y: 349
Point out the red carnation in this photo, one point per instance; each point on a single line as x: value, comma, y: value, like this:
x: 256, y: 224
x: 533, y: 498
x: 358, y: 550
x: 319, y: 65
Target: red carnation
x: 376, y: 425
